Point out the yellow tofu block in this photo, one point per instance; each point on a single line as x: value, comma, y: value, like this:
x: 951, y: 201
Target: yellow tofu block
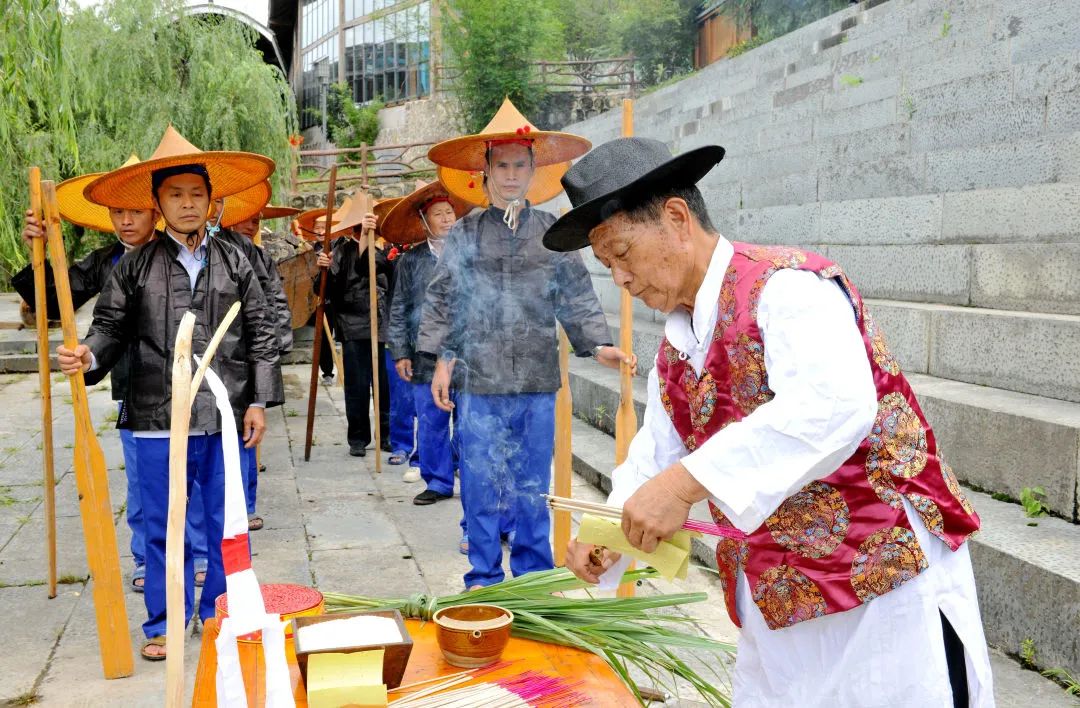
x: 337, y: 679
x: 671, y: 557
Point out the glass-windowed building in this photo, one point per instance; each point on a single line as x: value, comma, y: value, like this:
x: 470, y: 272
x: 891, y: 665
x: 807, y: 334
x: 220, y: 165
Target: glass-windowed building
x: 380, y: 48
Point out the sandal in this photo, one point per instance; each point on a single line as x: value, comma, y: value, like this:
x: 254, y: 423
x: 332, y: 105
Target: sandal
x: 200, y: 580
x: 153, y: 642
x: 255, y: 523
x: 398, y: 458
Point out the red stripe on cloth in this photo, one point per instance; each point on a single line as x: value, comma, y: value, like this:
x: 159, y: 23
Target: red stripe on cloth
x: 235, y: 554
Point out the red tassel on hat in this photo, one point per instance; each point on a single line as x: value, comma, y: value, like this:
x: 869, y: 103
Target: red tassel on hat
x: 394, y: 253
x: 472, y: 185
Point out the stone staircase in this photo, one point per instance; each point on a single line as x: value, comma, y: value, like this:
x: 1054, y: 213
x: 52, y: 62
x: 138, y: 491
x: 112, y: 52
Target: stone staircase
x: 931, y: 148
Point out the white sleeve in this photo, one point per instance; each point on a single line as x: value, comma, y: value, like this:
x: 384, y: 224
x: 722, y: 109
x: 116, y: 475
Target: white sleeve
x: 655, y: 447
x: 824, y: 406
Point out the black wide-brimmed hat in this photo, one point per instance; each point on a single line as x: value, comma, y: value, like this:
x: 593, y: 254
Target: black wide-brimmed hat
x: 618, y: 175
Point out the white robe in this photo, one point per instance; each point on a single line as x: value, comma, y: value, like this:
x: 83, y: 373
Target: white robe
x: 888, y: 652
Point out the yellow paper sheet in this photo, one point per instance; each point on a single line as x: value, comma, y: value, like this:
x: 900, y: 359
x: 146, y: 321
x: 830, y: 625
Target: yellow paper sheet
x: 671, y: 557
x: 337, y: 679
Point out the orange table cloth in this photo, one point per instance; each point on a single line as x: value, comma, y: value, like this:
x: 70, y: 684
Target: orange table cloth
x: 597, y: 680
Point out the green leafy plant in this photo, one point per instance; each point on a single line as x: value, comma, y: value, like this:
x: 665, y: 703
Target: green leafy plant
x: 493, y: 44
x: 1027, y: 652
x: 1072, y: 686
x: 1031, y: 498
x: 850, y: 80
x: 946, y: 26
x: 745, y: 46
x: 351, y: 125
x: 629, y: 633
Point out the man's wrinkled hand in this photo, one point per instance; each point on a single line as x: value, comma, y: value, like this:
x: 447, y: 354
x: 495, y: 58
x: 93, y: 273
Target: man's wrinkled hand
x: 32, y: 228
x: 660, y: 507
x: 323, y: 261
x: 72, y: 361
x: 613, y: 358
x: 404, y: 368
x: 440, y: 385
x: 581, y: 561
x: 254, y: 426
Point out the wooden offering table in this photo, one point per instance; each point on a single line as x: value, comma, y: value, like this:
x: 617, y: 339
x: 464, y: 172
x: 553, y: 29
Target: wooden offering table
x: 594, y: 677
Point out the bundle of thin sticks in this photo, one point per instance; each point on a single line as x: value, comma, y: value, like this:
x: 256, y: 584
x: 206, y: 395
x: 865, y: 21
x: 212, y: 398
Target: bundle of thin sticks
x: 614, y: 512
x: 530, y: 688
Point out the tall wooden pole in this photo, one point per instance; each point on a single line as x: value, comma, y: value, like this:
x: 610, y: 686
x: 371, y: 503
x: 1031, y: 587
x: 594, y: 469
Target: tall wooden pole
x: 174, y: 529
x: 626, y: 417
x: 91, y: 478
x: 41, y: 316
x: 368, y: 241
x: 320, y: 314
x: 564, y: 408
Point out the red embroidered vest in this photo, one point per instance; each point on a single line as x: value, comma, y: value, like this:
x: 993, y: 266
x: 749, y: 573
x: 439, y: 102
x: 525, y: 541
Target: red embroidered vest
x: 843, y: 540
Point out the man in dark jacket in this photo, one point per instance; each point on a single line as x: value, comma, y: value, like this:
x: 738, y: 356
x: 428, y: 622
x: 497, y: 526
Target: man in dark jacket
x: 347, y: 289
x: 132, y: 227
x: 139, y: 311
x: 489, y: 319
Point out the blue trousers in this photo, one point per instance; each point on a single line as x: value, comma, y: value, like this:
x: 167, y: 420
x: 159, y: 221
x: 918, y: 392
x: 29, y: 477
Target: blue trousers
x: 251, y: 478
x: 438, y: 458
x: 134, y: 501
x: 507, y: 442
x: 206, y: 466
x: 402, y: 414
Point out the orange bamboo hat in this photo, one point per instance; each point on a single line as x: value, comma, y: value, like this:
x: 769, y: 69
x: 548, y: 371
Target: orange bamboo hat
x: 403, y: 223
x: 354, y: 215
x: 469, y: 152
x: 274, y: 211
x: 546, y: 184
x: 243, y: 205
x: 310, y: 222
x: 77, y: 209
x: 130, y: 187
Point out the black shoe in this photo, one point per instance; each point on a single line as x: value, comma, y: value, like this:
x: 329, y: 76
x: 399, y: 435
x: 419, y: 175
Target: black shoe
x: 357, y: 451
x: 262, y: 468
x: 385, y: 447
x: 428, y: 496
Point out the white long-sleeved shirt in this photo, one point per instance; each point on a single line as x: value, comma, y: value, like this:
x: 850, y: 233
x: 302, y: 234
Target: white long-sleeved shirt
x: 824, y: 406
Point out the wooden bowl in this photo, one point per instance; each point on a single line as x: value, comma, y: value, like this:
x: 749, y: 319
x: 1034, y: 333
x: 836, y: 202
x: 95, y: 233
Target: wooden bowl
x: 472, y: 635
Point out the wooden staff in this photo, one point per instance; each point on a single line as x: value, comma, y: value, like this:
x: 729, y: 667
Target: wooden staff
x: 564, y: 411
x: 368, y: 240
x: 338, y: 363
x: 626, y: 417
x: 320, y: 315
x: 41, y: 316
x: 91, y: 477
x: 174, y: 533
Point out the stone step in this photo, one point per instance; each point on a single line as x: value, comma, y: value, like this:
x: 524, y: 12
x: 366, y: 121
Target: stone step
x: 1026, y: 352
x: 1028, y: 576
x: 997, y: 441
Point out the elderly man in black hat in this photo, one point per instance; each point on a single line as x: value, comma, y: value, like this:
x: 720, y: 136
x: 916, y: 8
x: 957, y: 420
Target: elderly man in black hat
x: 775, y: 398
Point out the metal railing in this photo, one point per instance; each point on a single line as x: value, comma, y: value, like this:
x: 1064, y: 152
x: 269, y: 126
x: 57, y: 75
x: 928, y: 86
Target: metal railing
x: 364, y: 164
x: 614, y: 75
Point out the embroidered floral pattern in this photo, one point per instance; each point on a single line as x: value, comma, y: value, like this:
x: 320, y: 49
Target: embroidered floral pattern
x: 812, y: 522
x: 954, y: 486
x: 670, y: 353
x: 725, y: 314
x: 930, y: 513
x: 755, y: 291
x: 701, y: 397
x: 779, y: 256
x: 690, y: 442
x: 883, y: 485
x: 886, y: 560
x: 665, y: 399
x: 897, y: 440
x: 749, y: 382
x: 786, y: 596
x: 882, y: 356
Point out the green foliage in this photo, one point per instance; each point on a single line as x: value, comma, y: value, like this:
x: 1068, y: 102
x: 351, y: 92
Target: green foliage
x: 660, y: 34
x: 746, y: 45
x: 493, y: 43
x: 84, y: 89
x: 849, y: 80
x: 946, y: 26
x: 1031, y: 498
x: 351, y: 125
x: 1072, y: 686
x: 1027, y: 652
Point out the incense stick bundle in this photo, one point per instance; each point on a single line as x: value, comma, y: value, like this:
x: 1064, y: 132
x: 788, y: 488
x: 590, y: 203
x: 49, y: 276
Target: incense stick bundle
x: 614, y: 512
x: 524, y: 690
